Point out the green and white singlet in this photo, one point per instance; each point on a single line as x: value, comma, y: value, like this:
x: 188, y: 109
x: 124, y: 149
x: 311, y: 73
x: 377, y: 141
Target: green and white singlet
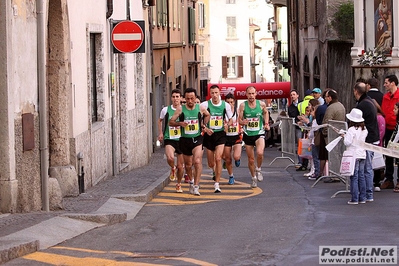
x: 217, y: 114
x: 192, y: 118
x: 255, y: 120
x: 171, y: 133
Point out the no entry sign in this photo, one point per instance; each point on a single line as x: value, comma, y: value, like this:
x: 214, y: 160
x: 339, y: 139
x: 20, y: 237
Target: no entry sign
x: 128, y: 36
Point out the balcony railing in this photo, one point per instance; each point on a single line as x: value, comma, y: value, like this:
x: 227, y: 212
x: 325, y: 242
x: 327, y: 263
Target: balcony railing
x: 282, y: 52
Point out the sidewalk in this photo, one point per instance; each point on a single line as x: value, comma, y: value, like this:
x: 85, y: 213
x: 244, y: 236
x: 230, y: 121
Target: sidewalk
x: 114, y: 200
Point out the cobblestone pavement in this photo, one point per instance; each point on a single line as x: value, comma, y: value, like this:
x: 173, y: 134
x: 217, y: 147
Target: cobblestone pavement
x: 132, y: 182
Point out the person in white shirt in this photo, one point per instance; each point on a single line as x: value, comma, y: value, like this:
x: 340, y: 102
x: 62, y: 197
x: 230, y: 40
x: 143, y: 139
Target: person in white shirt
x: 357, y: 131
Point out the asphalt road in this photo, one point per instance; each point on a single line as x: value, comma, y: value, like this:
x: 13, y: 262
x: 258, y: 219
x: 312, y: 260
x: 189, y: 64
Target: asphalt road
x: 282, y: 223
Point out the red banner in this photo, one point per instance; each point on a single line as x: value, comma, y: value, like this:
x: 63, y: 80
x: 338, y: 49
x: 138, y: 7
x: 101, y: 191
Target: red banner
x: 267, y: 90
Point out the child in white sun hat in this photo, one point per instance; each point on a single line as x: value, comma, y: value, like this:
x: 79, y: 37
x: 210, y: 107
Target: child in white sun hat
x: 356, y: 131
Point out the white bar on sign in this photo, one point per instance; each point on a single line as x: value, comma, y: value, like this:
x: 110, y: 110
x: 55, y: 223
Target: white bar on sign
x: 127, y: 36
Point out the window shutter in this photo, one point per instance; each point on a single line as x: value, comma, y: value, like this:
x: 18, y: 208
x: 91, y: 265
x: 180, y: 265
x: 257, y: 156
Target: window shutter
x: 191, y: 21
x: 224, y: 66
x: 201, y: 15
x: 240, y: 67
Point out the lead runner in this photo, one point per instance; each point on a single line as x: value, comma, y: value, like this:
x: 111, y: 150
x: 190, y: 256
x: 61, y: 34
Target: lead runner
x: 254, y: 117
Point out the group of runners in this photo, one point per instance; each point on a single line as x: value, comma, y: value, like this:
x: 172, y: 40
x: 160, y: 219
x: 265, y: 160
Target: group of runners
x: 187, y: 126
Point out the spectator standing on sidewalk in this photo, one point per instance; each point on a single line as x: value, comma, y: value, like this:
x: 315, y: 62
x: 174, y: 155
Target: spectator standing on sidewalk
x: 335, y: 111
x: 233, y: 140
x: 372, y: 90
x: 357, y: 131
x: 381, y: 128
x: 190, y: 116
x: 388, y: 102
x: 319, y: 116
x: 315, y: 170
x: 254, y: 117
x: 394, y: 136
x: 316, y: 92
x: 170, y: 135
x: 215, y: 136
x: 369, y: 112
x: 293, y: 112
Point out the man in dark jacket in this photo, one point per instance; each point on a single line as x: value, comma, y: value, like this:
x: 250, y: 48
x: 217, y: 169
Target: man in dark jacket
x: 369, y: 110
x: 372, y: 90
x: 293, y: 112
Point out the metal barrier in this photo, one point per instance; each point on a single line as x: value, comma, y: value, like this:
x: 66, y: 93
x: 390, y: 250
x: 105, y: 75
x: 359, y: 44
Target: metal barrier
x: 334, y: 157
x: 288, y: 143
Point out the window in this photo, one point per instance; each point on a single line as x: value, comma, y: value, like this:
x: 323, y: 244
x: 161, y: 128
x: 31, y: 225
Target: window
x: 176, y: 10
x: 231, y: 27
x: 93, y: 78
x: 232, y: 67
x: 201, y: 54
x: 230, y: 1
x: 162, y: 15
x: 179, y: 8
x: 306, y: 22
x: 306, y: 74
x: 201, y: 15
x: 316, y: 12
x: 316, y: 73
x: 191, y: 27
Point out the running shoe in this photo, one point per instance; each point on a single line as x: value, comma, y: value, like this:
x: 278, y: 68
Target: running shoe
x: 254, y: 182
x: 196, y: 191
x: 231, y: 180
x: 178, y: 188
x: 237, y: 163
x: 217, y: 188
x: 191, y: 188
x: 259, y: 176
x: 186, y: 178
x: 353, y: 202
x: 172, y: 175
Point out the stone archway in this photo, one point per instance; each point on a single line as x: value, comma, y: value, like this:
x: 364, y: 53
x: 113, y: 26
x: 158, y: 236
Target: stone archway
x: 59, y: 99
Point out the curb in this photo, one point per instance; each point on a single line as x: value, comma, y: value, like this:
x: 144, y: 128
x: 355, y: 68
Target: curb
x: 149, y: 193
x: 118, y: 208
x: 10, y: 250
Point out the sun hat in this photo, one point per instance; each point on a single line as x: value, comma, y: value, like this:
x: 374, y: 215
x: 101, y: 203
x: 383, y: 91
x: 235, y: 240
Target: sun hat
x: 317, y: 90
x: 356, y: 115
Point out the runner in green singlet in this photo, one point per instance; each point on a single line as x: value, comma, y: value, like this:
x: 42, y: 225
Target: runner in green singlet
x: 170, y: 136
x: 190, y: 116
x: 254, y: 118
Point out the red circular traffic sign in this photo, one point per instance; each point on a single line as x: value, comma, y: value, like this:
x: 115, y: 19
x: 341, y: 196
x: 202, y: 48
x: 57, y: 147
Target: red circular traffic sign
x: 127, y: 36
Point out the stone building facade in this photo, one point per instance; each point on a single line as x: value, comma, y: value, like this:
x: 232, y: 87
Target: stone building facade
x: 319, y: 56
x: 68, y: 101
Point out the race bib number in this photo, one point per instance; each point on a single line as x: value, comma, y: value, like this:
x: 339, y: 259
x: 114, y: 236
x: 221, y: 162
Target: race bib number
x: 174, y: 132
x: 232, y: 130
x: 192, y: 127
x: 253, y: 124
x: 216, y: 122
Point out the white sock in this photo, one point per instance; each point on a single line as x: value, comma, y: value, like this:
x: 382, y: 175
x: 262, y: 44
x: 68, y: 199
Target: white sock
x: 258, y: 169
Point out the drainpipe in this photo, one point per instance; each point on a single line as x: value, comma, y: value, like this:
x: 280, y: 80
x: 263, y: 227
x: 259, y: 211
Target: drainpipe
x: 110, y: 8
x: 112, y: 90
x: 41, y: 77
x: 168, y: 36
x: 127, y: 9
